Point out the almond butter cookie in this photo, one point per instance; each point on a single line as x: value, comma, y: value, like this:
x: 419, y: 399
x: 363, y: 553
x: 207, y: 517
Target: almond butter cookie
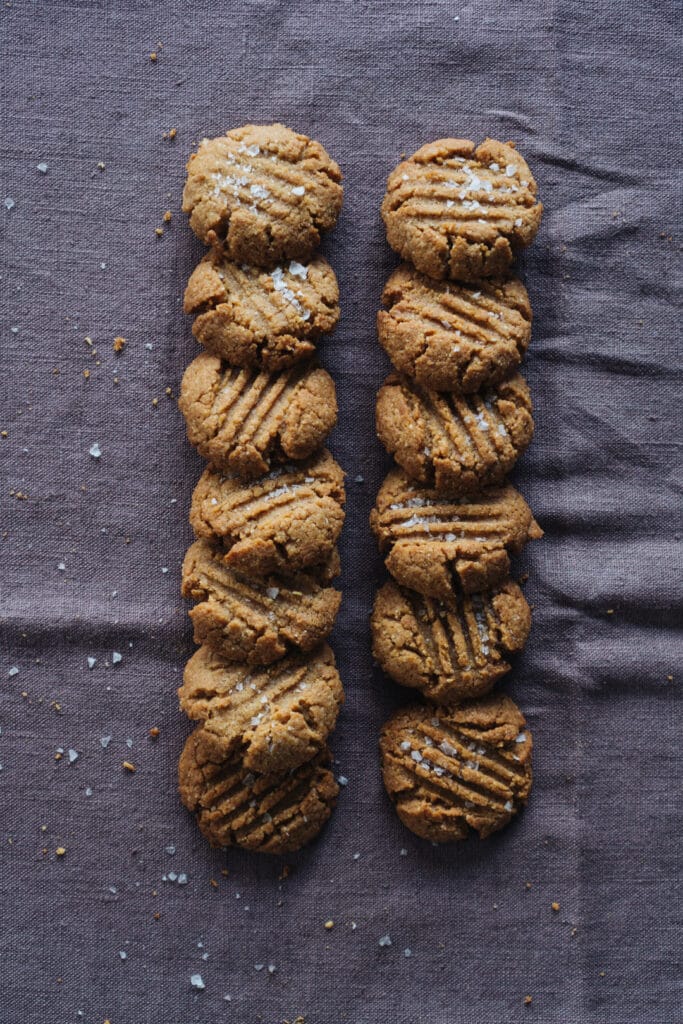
x: 273, y: 718
x: 245, y: 420
x: 265, y: 191
x: 451, y: 652
x: 441, y: 546
x: 455, y: 443
x: 454, y: 771
x: 288, y: 520
x: 461, y: 211
x: 256, y: 621
x: 273, y: 813
x: 452, y: 337
x: 266, y: 318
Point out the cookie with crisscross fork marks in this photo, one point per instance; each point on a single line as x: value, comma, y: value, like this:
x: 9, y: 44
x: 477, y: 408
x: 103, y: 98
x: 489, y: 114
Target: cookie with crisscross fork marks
x: 266, y: 318
x: 454, y: 337
x: 460, y: 211
x: 455, y: 443
x: 264, y: 190
x: 256, y: 621
x: 450, y: 771
x: 275, y: 717
x: 274, y: 813
x: 451, y: 652
x: 287, y: 520
x: 442, y: 546
x: 245, y: 420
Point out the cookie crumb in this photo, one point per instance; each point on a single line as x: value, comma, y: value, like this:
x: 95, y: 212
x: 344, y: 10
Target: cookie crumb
x: 158, y: 232
x: 555, y: 906
x: 129, y: 766
x: 528, y: 1000
x: 119, y: 344
x: 329, y: 924
x: 154, y: 732
x: 167, y: 217
x: 153, y: 58
x: 60, y: 851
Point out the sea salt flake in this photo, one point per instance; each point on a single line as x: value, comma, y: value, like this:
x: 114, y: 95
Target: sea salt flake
x: 405, y: 745
x: 298, y: 270
x: 416, y: 756
x: 105, y: 741
x: 520, y: 738
x: 116, y: 657
x: 298, y: 190
x: 73, y: 755
x: 508, y: 805
x: 259, y: 191
x: 91, y: 661
x: 252, y: 150
x: 170, y: 848
x: 385, y: 940
x: 95, y: 450
x: 510, y: 170
x: 9, y: 203
x: 272, y: 592
x: 342, y: 780
x: 197, y: 981
x: 42, y: 167
x: 123, y: 954
x: 182, y: 878
x: 61, y: 567
x: 518, y: 222
x: 14, y: 671
x: 407, y: 952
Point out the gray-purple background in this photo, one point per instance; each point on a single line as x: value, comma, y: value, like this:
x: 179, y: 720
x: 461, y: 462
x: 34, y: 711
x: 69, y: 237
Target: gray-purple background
x: 91, y: 557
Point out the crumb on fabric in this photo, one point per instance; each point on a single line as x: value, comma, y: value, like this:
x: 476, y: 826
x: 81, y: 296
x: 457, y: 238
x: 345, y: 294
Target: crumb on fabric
x: 129, y: 766
x: 119, y: 344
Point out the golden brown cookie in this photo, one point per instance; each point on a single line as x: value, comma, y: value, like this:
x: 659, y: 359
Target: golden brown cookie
x: 460, y: 211
x: 288, y: 520
x: 266, y: 318
x: 264, y: 190
x: 453, y: 337
x: 440, y: 546
x: 273, y: 718
x: 453, y: 770
x: 455, y: 443
x: 451, y: 652
x: 244, y: 421
x: 252, y: 621
x: 274, y: 813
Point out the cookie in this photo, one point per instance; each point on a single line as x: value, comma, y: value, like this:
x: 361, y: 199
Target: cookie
x: 452, y: 771
x: 451, y: 652
x: 274, y: 813
x: 245, y: 420
x: 288, y: 520
x: 455, y: 443
x: 440, y: 546
x: 459, y: 211
x: 273, y: 718
x: 266, y: 318
x: 265, y: 191
x: 253, y: 621
x: 452, y: 337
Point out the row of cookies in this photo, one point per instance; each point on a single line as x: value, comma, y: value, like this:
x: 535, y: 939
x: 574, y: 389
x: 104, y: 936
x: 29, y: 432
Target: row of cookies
x: 269, y: 507
x: 456, y: 415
